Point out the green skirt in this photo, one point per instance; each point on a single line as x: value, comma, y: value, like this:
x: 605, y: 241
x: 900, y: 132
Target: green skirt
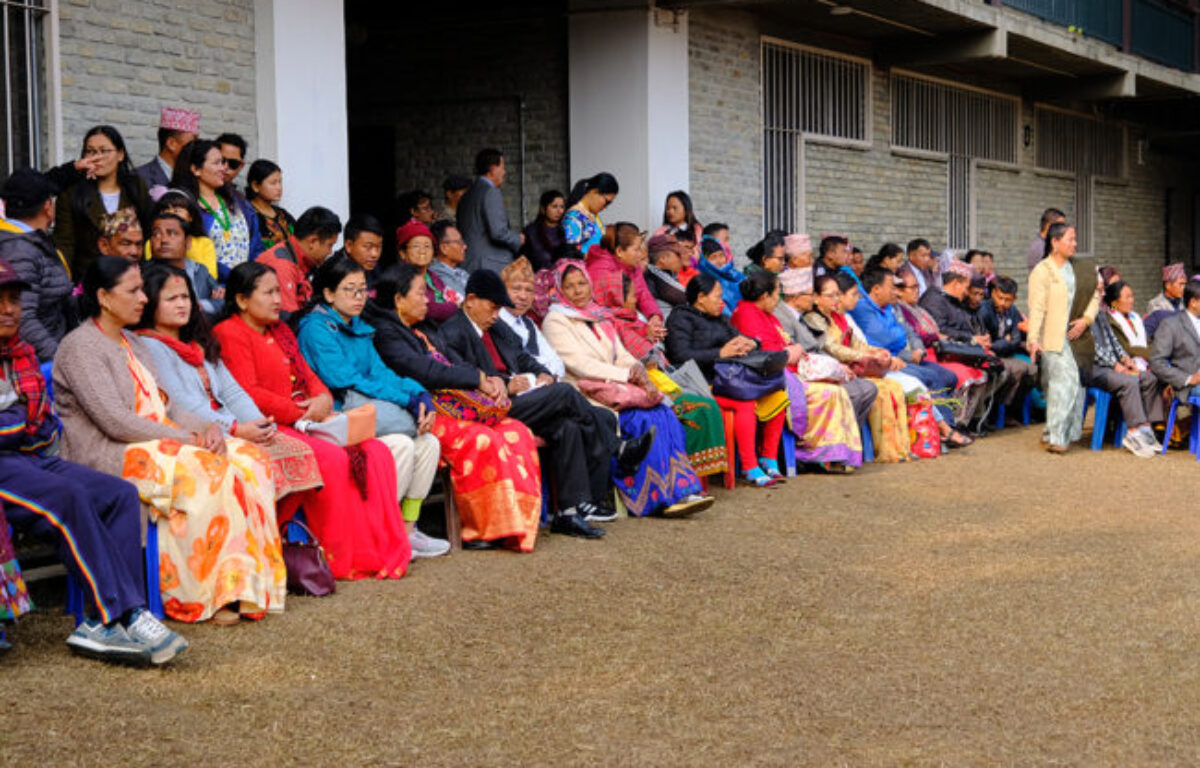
x: 705, y: 430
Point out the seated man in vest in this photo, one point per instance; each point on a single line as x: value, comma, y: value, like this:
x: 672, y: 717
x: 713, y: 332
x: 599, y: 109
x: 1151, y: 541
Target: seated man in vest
x: 581, y: 440
x: 518, y: 279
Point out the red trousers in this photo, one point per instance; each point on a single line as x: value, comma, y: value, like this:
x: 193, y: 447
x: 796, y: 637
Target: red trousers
x: 745, y: 432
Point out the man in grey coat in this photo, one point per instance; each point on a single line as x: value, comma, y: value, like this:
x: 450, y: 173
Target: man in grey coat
x: 1175, y: 356
x: 491, y: 242
x: 176, y: 129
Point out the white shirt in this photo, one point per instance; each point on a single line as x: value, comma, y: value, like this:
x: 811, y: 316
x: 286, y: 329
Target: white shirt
x: 546, y: 354
x: 111, y: 201
x: 528, y: 376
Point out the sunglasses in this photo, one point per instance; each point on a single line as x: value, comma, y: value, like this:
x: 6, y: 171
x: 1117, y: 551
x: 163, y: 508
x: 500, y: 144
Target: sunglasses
x: 232, y: 163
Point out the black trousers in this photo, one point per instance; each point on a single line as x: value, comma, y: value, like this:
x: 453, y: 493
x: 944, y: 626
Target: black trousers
x: 580, y: 440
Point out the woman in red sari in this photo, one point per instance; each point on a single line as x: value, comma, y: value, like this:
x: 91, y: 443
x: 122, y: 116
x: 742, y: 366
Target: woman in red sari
x: 493, y: 459
x: 356, y: 516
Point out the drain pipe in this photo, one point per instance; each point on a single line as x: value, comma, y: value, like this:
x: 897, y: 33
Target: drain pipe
x: 521, y: 144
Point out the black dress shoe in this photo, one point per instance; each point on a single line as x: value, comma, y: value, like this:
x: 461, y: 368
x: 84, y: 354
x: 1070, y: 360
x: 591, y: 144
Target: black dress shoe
x: 575, y: 525
x: 631, y: 453
x: 595, y: 513
x: 471, y: 546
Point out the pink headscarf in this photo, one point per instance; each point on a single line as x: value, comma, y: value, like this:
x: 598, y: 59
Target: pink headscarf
x: 593, y: 312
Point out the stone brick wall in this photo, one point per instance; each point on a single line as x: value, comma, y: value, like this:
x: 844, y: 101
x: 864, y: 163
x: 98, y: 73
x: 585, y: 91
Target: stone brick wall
x: 450, y: 91
x: 725, y: 124
x: 123, y: 61
x: 876, y: 194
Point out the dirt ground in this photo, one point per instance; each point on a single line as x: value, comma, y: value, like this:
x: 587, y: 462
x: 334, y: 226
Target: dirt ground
x: 999, y: 606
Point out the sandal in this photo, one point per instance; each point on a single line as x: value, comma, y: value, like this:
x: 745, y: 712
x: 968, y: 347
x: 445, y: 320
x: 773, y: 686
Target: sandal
x: 957, y: 439
x: 758, y: 478
x: 225, y: 617
x: 771, y: 467
x: 837, y: 468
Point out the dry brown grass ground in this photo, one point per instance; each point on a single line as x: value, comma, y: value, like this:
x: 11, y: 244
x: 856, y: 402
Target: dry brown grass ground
x: 1047, y: 615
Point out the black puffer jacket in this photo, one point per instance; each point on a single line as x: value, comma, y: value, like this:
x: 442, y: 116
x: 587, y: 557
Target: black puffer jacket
x: 47, y: 309
x: 694, y: 335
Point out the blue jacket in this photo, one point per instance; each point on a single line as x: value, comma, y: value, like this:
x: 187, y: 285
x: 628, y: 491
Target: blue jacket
x: 880, y: 326
x: 729, y: 278
x: 344, y: 356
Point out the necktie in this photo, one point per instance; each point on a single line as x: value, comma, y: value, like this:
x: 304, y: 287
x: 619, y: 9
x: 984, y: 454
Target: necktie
x: 494, y: 353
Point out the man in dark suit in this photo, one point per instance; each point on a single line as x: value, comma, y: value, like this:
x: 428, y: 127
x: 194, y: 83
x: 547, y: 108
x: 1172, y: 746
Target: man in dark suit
x: 491, y: 242
x: 581, y: 440
x: 1175, y: 355
x: 176, y: 129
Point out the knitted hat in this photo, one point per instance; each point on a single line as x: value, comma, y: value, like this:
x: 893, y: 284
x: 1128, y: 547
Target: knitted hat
x: 113, y: 224
x: 412, y: 228
x: 960, y: 268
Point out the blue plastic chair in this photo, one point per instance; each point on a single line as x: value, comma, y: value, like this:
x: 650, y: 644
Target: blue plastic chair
x: 1193, y: 433
x: 787, y: 446
x: 1103, y: 401
x: 1026, y: 412
x: 868, y: 445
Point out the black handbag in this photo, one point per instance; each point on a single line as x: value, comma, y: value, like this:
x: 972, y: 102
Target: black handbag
x: 760, y: 361
x: 961, y: 352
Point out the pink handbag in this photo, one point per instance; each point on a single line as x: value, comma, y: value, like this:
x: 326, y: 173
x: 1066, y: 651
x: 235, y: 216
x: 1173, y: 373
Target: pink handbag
x: 618, y: 395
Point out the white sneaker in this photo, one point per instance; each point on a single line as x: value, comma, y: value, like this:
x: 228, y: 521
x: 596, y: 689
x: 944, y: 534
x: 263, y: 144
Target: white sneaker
x: 427, y: 546
x: 162, y: 643
x: 111, y: 643
x: 1136, y: 444
x: 1147, y: 434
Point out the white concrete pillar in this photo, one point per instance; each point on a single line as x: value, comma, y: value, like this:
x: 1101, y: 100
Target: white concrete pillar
x: 301, y: 94
x: 628, y: 102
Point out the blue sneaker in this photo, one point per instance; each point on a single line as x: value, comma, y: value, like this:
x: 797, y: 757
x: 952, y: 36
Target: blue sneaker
x: 113, y: 643
x: 771, y: 467
x: 162, y: 644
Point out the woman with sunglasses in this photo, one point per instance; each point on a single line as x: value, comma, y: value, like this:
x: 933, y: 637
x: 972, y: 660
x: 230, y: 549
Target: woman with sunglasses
x: 200, y: 171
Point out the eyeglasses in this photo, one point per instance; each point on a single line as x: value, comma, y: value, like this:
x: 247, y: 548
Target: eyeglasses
x: 232, y: 163
x: 457, y: 241
x: 93, y: 152
x: 609, y: 200
x: 355, y: 292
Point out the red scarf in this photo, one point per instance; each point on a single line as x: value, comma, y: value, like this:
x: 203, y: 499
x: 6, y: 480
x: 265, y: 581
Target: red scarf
x: 191, y: 353
x: 291, y: 349
x: 27, y: 381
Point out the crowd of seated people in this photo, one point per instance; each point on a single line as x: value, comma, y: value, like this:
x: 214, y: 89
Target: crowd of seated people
x: 202, y: 342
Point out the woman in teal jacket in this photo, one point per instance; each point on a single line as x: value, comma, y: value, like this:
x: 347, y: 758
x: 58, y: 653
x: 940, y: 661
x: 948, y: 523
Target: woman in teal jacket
x: 338, y: 347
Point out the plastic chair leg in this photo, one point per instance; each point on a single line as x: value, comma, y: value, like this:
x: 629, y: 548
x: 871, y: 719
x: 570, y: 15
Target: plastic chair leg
x: 868, y: 445
x: 999, y: 422
x: 730, y: 450
x: 547, y: 492
x: 1170, y: 425
x: 1100, y: 420
x: 154, y: 602
x: 787, y: 444
x: 1027, y: 409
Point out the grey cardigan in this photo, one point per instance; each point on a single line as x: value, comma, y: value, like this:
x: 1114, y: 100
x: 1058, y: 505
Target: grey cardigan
x: 94, y: 397
x: 181, y: 381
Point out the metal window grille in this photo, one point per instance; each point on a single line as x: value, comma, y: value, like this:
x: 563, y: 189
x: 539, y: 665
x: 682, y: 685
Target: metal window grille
x: 1086, y: 147
x: 1079, y: 144
x: 806, y: 93
x: 959, y: 208
x: 933, y: 116
x: 24, y: 83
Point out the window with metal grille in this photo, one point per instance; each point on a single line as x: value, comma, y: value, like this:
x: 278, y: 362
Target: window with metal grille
x: 933, y: 116
x: 812, y: 95
x: 24, y: 83
x: 1079, y: 144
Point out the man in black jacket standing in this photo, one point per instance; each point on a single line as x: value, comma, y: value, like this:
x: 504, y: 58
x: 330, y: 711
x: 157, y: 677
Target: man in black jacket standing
x: 581, y: 440
x: 1002, y: 321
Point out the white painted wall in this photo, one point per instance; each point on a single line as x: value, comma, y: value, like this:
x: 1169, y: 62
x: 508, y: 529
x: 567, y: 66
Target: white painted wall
x: 301, y: 95
x: 628, y: 102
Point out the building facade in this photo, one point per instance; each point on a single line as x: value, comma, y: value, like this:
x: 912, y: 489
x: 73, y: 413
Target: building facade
x: 884, y: 120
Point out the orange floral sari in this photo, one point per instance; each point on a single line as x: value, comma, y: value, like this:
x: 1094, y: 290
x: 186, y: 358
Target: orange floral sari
x: 217, y: 537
